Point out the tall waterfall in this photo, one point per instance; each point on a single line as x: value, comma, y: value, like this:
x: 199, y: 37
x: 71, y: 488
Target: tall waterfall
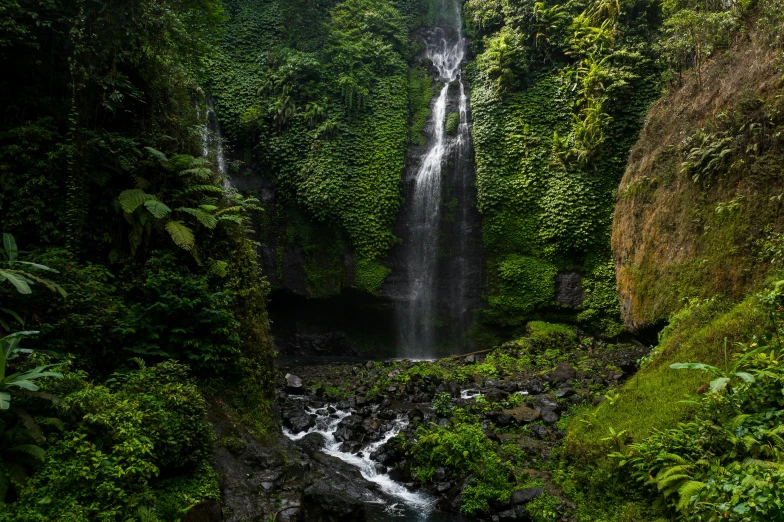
x: 212, y: 142
x: 434, y: 297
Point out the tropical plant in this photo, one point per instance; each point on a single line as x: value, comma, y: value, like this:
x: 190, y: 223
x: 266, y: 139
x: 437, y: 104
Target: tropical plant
x: 17, y: 272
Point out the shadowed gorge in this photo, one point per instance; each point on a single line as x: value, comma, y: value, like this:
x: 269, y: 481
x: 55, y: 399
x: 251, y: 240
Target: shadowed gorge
x: 391, y: 260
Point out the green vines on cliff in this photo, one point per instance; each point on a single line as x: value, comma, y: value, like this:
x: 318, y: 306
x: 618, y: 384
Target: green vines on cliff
x: 558, y: 94
x: 321, y: 94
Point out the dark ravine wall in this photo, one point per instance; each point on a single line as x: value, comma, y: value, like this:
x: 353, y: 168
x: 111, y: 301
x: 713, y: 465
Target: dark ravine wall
x: 683, y: 228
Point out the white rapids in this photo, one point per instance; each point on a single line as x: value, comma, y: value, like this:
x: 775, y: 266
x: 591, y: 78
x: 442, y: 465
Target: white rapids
x: 327, y: 425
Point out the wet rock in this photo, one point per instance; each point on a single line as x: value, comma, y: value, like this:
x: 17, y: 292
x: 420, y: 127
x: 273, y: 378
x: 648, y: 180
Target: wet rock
x: 515, y: 514
x: 262, y: 457
x: 550, y: 417
x: 387, y: 454
x: 369, y: 365
x: 401, y: 472
x: 371, y: 425
x: 311, y: 443
x: 470, y: 359
x: 522, y: 414
x: 204, y: 511
x: 415, y: 415
x: 440, y: 473
x: 350, y: 429
x: 563, y: 373
x: 443, y: 487
x: 495, y: 395
x: 539, y: 432
x: 323, y: 502
x: 569, y: 289
x: 524, y: 496
x: 294, y: 385
x: 564, y: 391
x: 300, y: 423
x: 544, y: 402
x: 351, y: 447
x: 535, y: 387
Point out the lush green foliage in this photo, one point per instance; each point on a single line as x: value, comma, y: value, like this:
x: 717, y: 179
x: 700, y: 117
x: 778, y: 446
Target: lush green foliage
x: 324, y: 116
x: 113, y: 443
x: 464, y: 449
x: 558, y: 92
x: 104, y: 183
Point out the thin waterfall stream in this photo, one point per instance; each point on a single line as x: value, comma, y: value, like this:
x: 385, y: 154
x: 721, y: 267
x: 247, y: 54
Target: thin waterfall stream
x: 434, y: 290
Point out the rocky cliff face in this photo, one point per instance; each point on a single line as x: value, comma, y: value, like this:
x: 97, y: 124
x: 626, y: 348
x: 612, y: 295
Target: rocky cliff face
x: 699, y: 208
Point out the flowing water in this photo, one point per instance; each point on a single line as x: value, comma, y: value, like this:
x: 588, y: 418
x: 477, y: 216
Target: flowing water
x: 212, y: 142
x: 418, y: 315
x: 398, y: 503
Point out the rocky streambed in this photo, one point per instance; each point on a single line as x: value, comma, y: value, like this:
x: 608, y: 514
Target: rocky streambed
x: 351, y: 443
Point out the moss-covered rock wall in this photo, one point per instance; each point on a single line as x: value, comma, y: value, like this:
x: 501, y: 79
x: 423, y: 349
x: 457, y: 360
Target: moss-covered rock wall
x: 699, y: 207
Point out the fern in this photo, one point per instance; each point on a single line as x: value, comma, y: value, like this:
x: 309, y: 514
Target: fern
x: 687, y: 491
x: 132, y: 198
x: 181, y: 235
x: 208, y: 220
x: 218, y: 267
x: 157, y: 209
x: 202, y: 188
x: 29, y: 449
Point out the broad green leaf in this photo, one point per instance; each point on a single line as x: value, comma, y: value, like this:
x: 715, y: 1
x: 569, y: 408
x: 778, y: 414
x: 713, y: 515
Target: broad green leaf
x: 716, y: 385
x: 5, y: 400
x: 132, y: 198
x: 9, y: 243
x: 39, y: 267
x: 160, y: 156
x: 181, y: 235
x: 14, y: 315
x: 156, y: 208
x: 20, y: 283
x: 745, y: 376
x: 204, y: 218
x: 27, y: 385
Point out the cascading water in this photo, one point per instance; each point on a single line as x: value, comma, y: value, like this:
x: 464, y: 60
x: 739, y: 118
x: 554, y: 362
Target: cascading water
x: 399, y: 502
x: 212, y: 142
x: 436, y: 288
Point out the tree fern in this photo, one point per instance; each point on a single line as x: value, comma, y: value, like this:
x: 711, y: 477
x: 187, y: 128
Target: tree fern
x: 202, y: 188
x: 687, y: 491
x: 218, y: 267
x: 181, y: 235
x: 132, y: 198
x: 208, y: 220
x: 157, y: 209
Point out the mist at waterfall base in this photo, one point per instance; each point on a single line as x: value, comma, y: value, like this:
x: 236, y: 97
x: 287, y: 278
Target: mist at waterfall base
x: 395, y: 501
x: 437, y: 285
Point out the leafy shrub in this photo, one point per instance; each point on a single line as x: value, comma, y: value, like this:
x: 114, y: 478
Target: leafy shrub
x: 442, y: 404
x: 174, y: 314
x: 452, y: 123
x: 118, y: 439
x: 463, y: 449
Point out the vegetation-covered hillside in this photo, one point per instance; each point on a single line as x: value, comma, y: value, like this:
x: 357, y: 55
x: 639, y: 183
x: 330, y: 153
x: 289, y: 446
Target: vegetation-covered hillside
x: 316, y: 97
x: 558, y: 96
x: 126, y: 264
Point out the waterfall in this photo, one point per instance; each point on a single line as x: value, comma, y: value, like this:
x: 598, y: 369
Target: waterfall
x: 434, y: 289
x: 212, y: 142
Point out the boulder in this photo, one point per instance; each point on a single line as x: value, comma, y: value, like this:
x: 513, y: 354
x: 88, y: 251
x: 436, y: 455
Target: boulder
x: 550, y: 417
x: 535, y: 387
x: 524, y: 496
x: 522, y: 414
x: 371, y: 425
x: 325, y: 503
x: 294, y: 385
x: 495, y: 395
x: 204, y: 511
x: 350, y: 429
x: 563, y: 373
x: 544, y: 402
x: 312, y: 443
x: 470, y: 359
x: 300, y: 423
x: 564, y: 391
